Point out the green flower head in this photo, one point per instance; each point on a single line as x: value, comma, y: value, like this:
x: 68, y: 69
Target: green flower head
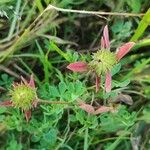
x: 103, y: 60
x: 23, y: 95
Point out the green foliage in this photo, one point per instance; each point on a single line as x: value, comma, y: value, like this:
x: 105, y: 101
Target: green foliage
x: 135, y: 5
x: 6, y: 81
x: 90, y: 121
x: 121, y: 29
x: 67, y: 91
x: 48, y: 139
x: 113, y: 122
x: 145, y: 115
x: 13, y: 145
x: 39, y: 41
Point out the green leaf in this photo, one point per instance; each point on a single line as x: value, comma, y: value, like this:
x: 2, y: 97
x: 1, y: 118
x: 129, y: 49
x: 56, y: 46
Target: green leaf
x: 121, y: 30
x: 53, y: 91
x: 47, y: 91
x: 49, y: 139
x: 116, y: 69
x: 6, y: 81
x: 59, y: 51
x: 35, y: 138
x: 74, y: 56
x: 135, y: 5
x: 123, y: 84
x: 111, y: 122
x: 146, y: 115
x: 142, y: 26
x: 62, y: 87
x: 13, y: 145
x: 2, y: 110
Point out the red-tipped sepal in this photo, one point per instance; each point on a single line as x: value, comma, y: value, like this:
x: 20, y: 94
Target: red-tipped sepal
x: 31, y: 82
x: 123, y: 50
x: 35, y: 103
x: 106, y: 37
x: 6, y: 103
x: 97, y: 83
x: 102, y: 43
x: 103, y: 109
x: 78, y: 67
x: 86, y: 107
x: 108, y: 82
x: 27, y: 114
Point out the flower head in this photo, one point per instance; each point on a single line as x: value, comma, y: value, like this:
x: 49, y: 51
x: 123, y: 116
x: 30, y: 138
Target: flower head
x: 23, y: 96
x: 103, y: 60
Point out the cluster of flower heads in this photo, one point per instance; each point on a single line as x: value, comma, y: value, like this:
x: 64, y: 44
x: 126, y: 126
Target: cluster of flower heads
x: 102, y: 61
x: 24, y: 96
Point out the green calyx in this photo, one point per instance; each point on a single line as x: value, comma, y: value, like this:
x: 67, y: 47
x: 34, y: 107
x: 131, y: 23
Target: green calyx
x: 103, y: 60
x: 22, y: 96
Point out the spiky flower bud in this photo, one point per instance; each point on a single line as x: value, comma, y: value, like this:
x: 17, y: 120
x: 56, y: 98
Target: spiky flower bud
x: 103, y: 60
x: 23, y: 96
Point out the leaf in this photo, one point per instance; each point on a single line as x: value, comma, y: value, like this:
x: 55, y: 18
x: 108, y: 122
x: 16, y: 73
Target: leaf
x: 144, y: 23
x: 51, y: 136
x: 59, y: 51
x: 89, y: 121
x: 53, y: 90
x: 123, y: 84
x: 62, y: 87
x: 35, y: 138
x: 74, y: 56
x: 49, y: 139
x: 121, y: 29
x: 137, y: 69
x: 71, y: 87
x: 145, y: 115
x: 79, y: 88
x: 6, y: 81
x: 72, y: 118
x: 47, y: 91
x: 116, y: 69
x: 111, y: 122
x: 13, y: 145
x: 135, y: 5
x: 2, y: 110
x: 58, y: 40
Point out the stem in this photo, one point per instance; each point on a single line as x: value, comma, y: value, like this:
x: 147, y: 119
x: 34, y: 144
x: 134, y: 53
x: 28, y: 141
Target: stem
x: 142, y: 43
x: 93, y: 12
x: 52, y: 102
x: 110, y: 139
x: 86, y: 139
x: 59, y: 51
